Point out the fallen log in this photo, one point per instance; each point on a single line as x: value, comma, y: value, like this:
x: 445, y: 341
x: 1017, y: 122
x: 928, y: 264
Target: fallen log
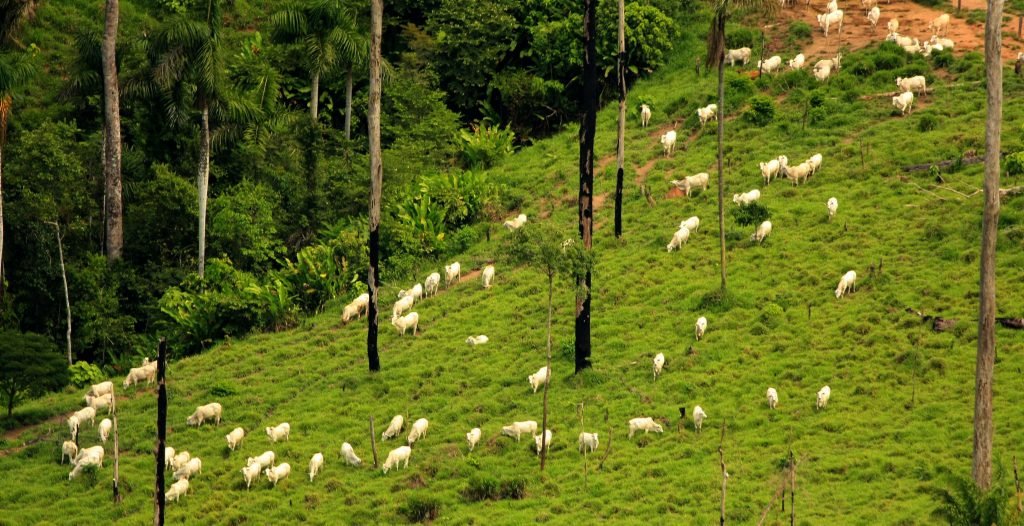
x: 939, y: 324
x: 1011, y: 323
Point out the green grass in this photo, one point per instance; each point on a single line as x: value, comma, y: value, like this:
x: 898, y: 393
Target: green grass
x: 868, y: 459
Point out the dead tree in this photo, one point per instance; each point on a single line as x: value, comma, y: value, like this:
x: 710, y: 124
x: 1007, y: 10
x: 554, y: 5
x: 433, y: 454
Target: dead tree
x: 161, y: 432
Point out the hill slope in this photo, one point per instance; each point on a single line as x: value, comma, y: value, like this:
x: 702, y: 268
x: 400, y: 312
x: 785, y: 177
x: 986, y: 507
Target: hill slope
x: 868, y: 459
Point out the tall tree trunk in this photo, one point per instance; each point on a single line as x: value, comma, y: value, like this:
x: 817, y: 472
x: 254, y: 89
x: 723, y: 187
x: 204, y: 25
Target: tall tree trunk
x: 117, y: 451
x: 376, y: 181
x: 985, y: 368
x: 64, y: 278
x: 544, y: 420
x: 621, y: 152
x: 113, y: 210
x: 586, y: 199
x: 161, y: 432
x: 348, y: 103
x: 5, y: 111
x: 204, y: 185
x: 721, y: 134
x: 314, y: 98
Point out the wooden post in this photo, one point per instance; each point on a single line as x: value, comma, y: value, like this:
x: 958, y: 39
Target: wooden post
x: 1020, y: 22
x: 792, y: 489
x: 117, y: 452
x: 760, y: 69
x: 725, y: 475
x: 583, y: 429
x: 161, y: 432
x: 373, y: 442
x: 1016, y: 482
x: 958, y: 7
x: 608, y: 447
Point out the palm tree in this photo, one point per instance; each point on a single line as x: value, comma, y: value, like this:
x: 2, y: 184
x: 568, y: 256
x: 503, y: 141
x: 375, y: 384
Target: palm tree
x: 112, y: 136
x: 189, y: 70
x: 620, y: 70
x: 376, y: 180
x: 586, y: 198
x: 716, y: 56
x: 985, y: 368
x: 12, y: 14
x: 328, y: 33
x: 15, y: 70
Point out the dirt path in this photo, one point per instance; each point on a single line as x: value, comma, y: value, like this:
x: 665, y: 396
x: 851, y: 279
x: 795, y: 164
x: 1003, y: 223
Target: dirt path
x: 913, y: 19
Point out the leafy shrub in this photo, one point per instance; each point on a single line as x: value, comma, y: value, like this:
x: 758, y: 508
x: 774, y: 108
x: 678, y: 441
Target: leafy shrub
x: 739, y: 36
x: 1014, y: 163
x: 483, y: 145
x: 482, y: 487
x: 753, y: 214
x: 317, y: 276
x: 817, y: 116
x: 772, y: 315
x: 83, y: 373
x: 942, y: 59
x: 463, y: 196
x: 860, y: 65
x: 761, y: 111
x: 971, y: 66
x: 738, y: 88
x: 421, y: 508
x: 485, y: 487
x: 514, y: 488
x: 799, y: 31
x: 928, y: 122
x: 889, y: 56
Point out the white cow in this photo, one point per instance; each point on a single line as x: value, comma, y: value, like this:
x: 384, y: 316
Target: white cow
x: 452, y: 272
x: 357, y: 308
x: 940, y: 24
x: 402, y: 323
x: 539, y: 378
x: 394, y: 428
x: 235, y: 437
x: 797, y: 62
x: 659, y: 363
x: 278, y: 472
x: 645, y: 115
x: 668, y: 142
x: 546, y: 437
x: 645, y: 424
x: 518, y: 429
x: 833, y: 205
x: 773, y: 398
x: 708, y: 112
x: 769, y: 170
x: 762, y: 232
x: 431, y: 284
x: 679, y: 238
x: 350, y: 455
x: 741, y: 55
x: 473, y: 437
x: 396, y: 456
x: 211, y: 411
x: 588, y: 442
x: 315, y: 464
x: 698, y: 417
x: 700, y: 327
x: 770, y: 65
x: 823, y: 395
x: 280, y: 431
x: 848, y: 283
x: 418, y: 431
x: 904, y: 102
x: 488, y: 276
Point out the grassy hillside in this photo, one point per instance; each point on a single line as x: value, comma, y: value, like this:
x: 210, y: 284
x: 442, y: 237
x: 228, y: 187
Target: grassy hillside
x: 870, y: 458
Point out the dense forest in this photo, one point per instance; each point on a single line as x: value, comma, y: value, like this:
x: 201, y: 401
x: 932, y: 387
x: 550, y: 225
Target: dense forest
x: 274, y: 95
